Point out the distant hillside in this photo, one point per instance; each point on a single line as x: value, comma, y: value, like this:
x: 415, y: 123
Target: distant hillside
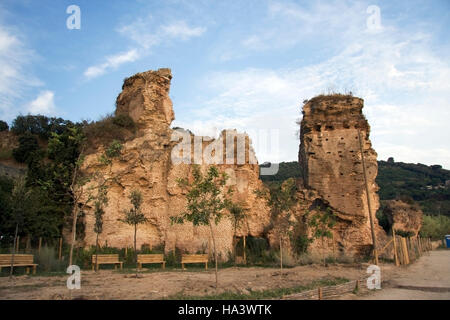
x: 428, y: 185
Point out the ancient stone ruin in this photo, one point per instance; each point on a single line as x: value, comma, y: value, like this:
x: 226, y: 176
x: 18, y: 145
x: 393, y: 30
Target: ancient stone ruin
x: 332, y: 167
x: 329, y: 154
x: 146, y: 164
x: 405, y: 218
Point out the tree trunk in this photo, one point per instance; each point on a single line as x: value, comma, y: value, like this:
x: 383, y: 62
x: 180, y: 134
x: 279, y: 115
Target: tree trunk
x: 74, y: 232
x: 215, y: 253
x: 323, y: 253
x: 13, y: 251
x: 234, y: 245
x: 135, y: 252
x: 96, y: 252
x: 281, y: 256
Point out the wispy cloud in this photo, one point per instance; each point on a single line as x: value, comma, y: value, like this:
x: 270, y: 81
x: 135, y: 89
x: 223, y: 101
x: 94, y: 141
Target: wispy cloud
x: 14, y: 78
x: 144, y: 37
x: 112, y: 62
x: 395, y: 70
x: 43, y: 104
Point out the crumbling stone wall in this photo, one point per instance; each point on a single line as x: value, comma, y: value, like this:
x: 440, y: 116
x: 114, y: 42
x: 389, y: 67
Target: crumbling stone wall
x: 147, y: 164
x: 332, y: 165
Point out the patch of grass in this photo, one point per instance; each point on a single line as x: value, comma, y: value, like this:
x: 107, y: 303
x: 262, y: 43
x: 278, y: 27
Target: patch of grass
x: 264, y: 294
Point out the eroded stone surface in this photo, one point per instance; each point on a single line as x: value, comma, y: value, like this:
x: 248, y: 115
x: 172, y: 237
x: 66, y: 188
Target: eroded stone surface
x: 146, y: 164
x: 403, y: 216
x: 332, y: 166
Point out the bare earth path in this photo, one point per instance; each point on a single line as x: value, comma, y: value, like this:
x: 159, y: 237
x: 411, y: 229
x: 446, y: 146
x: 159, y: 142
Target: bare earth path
x: 108, y: 284
x: 428, y: 279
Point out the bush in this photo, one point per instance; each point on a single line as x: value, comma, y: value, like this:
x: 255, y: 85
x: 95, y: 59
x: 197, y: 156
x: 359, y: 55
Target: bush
x: 124, y: 120
x: 28, y: 145
x: 3, y: 126
x: 301, y: 243
x: 107, y: 130
x: 288, y: 259
x: 48, y: 261
x: 435, y: 227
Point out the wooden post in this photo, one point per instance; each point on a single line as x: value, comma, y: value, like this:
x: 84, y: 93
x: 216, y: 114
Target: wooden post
x: 60, y: 249
x: 245, y: 255
x: 40, y: 244
x: 405, y: 251
x: 372, y: 226
x: 320, y: 293
x: 395, y: 248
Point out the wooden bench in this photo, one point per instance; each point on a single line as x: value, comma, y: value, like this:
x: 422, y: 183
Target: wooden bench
x: 20, y: 260
x: 106, y: 259
x: 194, y: 258
x: 150, y: 258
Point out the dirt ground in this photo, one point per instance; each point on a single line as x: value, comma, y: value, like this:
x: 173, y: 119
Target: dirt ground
x: 431, y: 271
x: 426, y: 279
x: 110, y: 284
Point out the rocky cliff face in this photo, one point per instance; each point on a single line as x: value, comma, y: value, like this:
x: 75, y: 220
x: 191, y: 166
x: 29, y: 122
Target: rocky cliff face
x: 332, y: 166
x: 152, y: 163
x: 404, y: 217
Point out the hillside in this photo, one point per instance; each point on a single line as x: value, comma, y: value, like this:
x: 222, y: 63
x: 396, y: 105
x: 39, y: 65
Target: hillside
x: 425, y: 184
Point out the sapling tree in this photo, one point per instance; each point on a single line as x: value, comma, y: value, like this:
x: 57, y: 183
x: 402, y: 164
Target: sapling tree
x: 281, y: 199
x: 20, y: 206
x: 77, y: 188
x: 321, y: 224
x: 134, y: 216
x: 99, y: 204
x: 207, y: 200
x: 237, y: 215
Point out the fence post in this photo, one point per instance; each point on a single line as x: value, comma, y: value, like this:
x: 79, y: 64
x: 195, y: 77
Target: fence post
x: 395, y: 248
x: 245, y: 256
x: 40, y: 244
x: 320, y: 293
x: 405, y: 251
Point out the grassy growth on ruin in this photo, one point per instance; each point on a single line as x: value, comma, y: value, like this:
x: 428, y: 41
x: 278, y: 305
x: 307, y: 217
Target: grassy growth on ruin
x: 263, y: 294
x: 109, y: 128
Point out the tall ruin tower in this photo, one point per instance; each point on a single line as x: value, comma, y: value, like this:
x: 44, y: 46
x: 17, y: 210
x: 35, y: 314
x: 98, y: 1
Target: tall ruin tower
x: 331, y: 162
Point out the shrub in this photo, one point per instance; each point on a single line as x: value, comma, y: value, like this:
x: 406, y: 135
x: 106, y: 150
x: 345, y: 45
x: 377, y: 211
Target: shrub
x: 108, y: 129
x: 301, y: 243
x: 288, y: 259
x: 124, y: 120
x: 435, y: 227
x: 47, y: 260
x: 3, y: 126
x: 28, y: 145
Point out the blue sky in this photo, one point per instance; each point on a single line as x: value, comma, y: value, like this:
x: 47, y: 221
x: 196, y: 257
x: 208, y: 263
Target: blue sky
x: 239, y: 64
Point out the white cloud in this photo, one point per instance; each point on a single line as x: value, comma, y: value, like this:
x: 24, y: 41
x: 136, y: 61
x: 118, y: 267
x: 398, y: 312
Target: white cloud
x: 14, y: 78
x: 44, y: 104
x: 112, y: 62
x: 181, y: 30
x: 403, y: 81
x: 145, y: 37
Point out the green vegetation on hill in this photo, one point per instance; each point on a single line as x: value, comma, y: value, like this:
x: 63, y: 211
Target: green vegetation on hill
x: 397, y: 180
x: 49, y: 148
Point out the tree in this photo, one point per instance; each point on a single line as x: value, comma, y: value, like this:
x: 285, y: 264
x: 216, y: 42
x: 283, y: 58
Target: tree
x: 28, y: 146
x: 99, y: 204
x: 281, y: 198
x: 21, y: 206
x: 237, y: 215
x: 134, y: 217
x: 321, y: 224
x: 3, y: 126
x: 207, y: 201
